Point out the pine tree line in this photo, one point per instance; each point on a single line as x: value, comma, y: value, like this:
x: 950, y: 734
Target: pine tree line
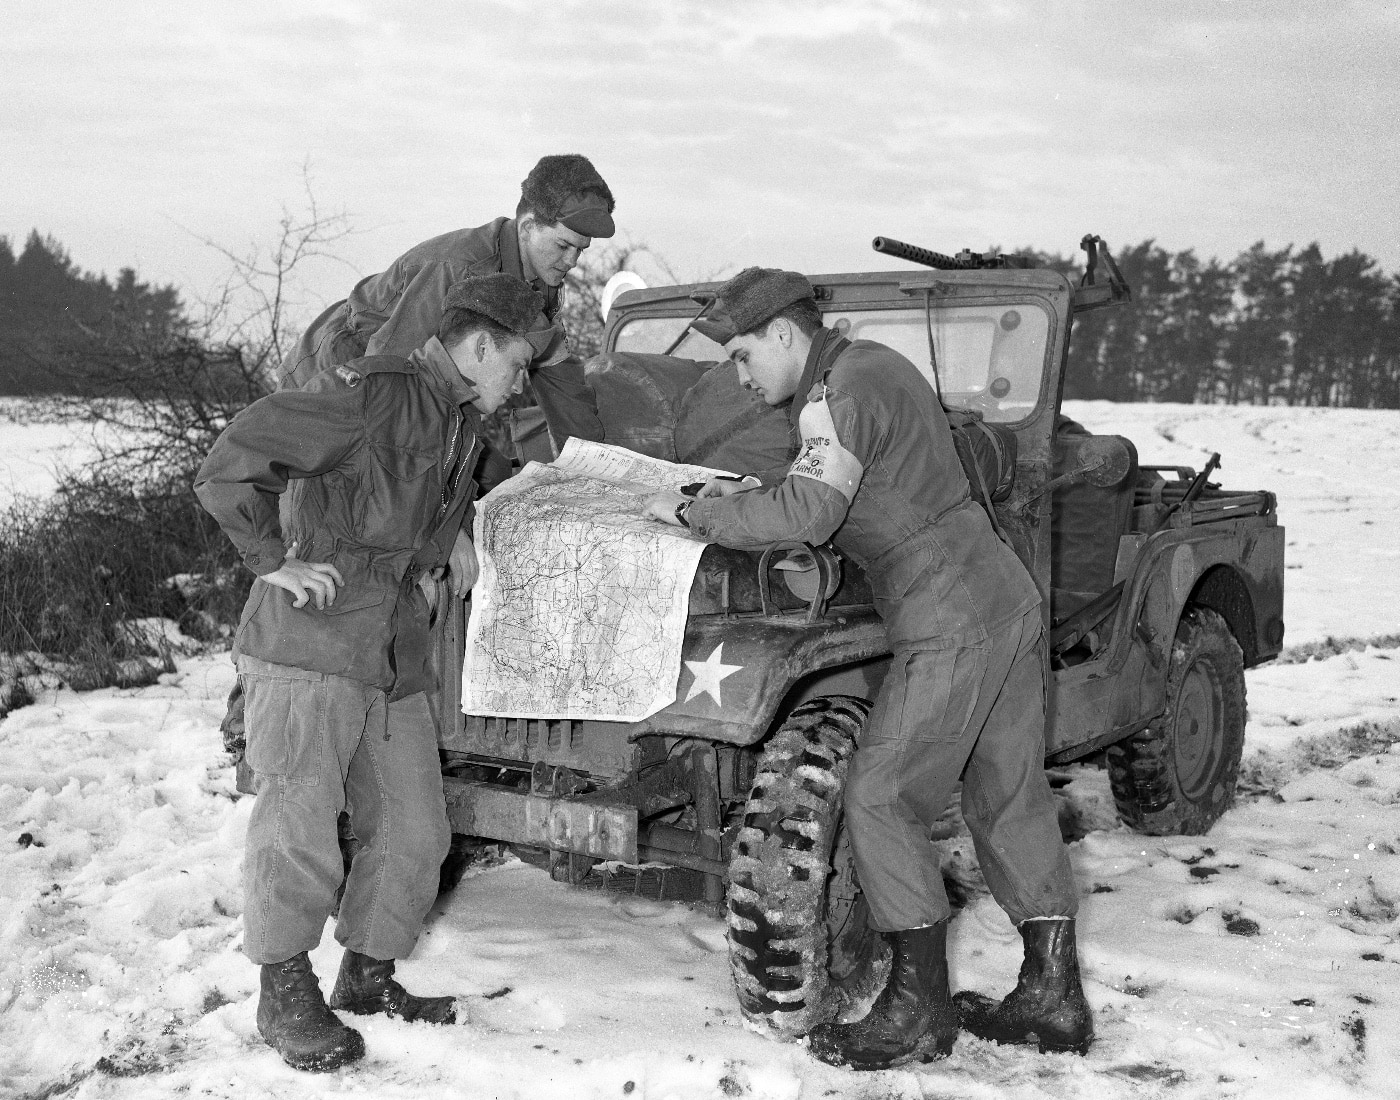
x: 52, y: 314
x: 1284, y: 326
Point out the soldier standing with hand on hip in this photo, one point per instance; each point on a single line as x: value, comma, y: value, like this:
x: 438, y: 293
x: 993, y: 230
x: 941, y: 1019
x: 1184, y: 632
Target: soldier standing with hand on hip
x: 964, y: 697
x: 342, y: 497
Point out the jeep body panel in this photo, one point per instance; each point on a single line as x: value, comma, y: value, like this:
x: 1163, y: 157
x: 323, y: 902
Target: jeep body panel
x: 1234, y: 568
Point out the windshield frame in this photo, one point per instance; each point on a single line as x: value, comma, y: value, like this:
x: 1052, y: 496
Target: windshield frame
x: 893, y: 292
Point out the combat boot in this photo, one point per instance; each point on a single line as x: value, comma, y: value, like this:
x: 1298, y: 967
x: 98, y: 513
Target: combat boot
x: 913, y: 1018
x: 295, y: 1021
x: 366, y: 986
x: 1047, y: 1007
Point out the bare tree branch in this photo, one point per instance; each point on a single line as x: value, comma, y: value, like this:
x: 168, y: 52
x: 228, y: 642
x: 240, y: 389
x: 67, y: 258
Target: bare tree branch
x: 165, y: 394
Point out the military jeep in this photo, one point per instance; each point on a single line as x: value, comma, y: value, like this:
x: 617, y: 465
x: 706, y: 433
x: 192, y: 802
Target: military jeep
x: 1159, y: 589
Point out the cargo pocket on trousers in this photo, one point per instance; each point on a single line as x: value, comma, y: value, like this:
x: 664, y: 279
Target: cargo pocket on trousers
x: 286, y: 727
x: 938, y: 692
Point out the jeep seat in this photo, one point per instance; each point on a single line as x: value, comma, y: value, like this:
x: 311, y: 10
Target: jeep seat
x: 1087, y: 519
x: 639, y: 398
x: 726, y: 426
x: 686, y: 411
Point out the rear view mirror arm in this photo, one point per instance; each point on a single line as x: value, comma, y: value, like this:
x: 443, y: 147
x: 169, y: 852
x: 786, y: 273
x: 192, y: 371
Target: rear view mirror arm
x: 709, y: 300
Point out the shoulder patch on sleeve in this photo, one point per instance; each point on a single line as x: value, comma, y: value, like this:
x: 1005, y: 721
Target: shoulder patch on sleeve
x: 822, y: 457
x: 351, y: 378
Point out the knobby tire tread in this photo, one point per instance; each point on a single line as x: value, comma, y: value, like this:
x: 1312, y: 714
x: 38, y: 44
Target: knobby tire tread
x: 780, y: 864
x: 1141, y: 768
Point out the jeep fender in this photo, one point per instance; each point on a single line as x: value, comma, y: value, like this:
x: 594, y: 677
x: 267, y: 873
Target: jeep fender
x: 737, y: 670
x: 1235, y: 570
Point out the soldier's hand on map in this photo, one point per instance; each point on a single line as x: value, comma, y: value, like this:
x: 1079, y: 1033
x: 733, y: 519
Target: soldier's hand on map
x: 462, y: 566
x: 723, y: 485
x: 306, y: 580
x: 662, y: 506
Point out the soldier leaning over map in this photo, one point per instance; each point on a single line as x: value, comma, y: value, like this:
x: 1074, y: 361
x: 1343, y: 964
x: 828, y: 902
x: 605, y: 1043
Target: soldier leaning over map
x: 878, y: 475
x: 564, y: 205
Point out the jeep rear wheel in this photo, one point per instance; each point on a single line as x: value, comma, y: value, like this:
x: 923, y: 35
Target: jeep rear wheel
x: 1178, y: 775
x: 801, y: 948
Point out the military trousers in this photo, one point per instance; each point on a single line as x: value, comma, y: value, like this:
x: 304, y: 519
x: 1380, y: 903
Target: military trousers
x: 974, y: 712
x: 319, y: 744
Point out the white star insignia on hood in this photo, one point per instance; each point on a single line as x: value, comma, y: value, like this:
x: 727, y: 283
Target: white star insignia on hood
x: 708, y: 674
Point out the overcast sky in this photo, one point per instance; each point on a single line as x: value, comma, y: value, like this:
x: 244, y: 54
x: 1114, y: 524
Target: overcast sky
x: 784, y: 133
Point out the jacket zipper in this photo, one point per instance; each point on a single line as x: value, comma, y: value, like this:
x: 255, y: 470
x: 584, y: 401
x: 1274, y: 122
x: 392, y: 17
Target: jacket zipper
x: 449, y: 488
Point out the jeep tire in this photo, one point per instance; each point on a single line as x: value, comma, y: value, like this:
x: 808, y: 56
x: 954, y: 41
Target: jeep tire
x: 801, y: 948
x: 1178, y: 775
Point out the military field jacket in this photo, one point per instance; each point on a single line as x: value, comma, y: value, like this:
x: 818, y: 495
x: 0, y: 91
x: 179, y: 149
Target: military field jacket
x: 369, y: 467
x: 879, y: 476
x: 399, y: 309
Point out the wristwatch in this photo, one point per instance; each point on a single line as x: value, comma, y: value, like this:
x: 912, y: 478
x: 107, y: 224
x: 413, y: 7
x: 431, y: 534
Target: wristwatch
x: 681, y: 509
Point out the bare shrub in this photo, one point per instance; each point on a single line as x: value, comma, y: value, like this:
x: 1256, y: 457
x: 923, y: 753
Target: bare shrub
x: 76, y: 567
x: 583, y: 300
x: 99, y: 553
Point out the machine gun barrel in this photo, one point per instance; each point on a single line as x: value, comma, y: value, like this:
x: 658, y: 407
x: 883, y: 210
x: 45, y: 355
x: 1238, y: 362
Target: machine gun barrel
x: 914, y: 254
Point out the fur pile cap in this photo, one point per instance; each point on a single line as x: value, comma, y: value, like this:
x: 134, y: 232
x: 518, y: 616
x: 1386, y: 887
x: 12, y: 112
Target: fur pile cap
x: 750, y: 299
x: 566, y: 189
x: 502, y: 298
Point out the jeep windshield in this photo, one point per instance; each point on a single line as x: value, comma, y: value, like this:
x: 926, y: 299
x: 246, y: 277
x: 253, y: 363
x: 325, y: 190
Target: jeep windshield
x: 990, y: 356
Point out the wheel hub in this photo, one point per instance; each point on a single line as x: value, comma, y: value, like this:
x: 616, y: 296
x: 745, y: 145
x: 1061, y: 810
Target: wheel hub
x: 1196, y: 740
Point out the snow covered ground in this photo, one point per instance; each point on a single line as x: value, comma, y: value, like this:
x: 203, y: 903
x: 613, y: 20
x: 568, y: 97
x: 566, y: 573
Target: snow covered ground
x: 33, y: 452
x: 1253, y: 962
x: 1335, y: 473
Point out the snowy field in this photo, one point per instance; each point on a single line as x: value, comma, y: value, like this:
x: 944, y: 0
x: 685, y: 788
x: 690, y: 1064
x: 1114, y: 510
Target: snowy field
x: 1253, y: 962
x: 34, y: 452
x: 1335, y: 474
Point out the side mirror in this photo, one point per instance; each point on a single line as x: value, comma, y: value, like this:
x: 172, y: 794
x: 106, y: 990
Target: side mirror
x: 623, y: 280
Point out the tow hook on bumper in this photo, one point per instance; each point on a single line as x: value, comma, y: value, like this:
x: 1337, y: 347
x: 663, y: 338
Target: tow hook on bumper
x: 561, y: 824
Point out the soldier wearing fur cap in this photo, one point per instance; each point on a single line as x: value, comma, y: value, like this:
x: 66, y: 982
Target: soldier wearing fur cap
x: 344, y: 497
x: 564, y: 205
x: 964, y: 697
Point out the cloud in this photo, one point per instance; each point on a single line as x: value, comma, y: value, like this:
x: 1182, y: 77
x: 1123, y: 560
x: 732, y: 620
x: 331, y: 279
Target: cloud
x: 776, y: 130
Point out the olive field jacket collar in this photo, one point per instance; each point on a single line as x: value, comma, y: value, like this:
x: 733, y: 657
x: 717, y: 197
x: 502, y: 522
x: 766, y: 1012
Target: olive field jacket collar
x: 827, y: 345
x: 437, y: 364
x: 513, y: 263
